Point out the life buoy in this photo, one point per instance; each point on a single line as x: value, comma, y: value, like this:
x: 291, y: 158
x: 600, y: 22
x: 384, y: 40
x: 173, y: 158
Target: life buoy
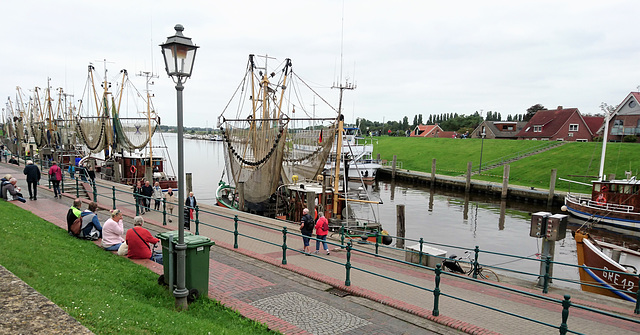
x: 601, y: 199
x: 133, y: 170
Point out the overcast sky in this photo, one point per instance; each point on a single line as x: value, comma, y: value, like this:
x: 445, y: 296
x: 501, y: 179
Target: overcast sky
x: 406, y: 57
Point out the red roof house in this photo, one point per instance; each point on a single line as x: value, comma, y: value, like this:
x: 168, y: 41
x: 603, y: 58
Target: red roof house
x: 431, y: 130
x: 625, y: 119
x: 557, y: 125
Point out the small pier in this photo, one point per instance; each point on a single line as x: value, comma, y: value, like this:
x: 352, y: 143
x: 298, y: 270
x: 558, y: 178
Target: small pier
x: 515, y: 192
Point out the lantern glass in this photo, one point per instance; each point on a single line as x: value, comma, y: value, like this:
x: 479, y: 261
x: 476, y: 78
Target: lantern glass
x: 179, y: 54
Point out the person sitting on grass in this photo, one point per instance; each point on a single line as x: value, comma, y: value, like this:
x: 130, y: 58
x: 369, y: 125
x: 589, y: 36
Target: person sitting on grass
x: 73, y: 213
x: 138, y: 240
x: 112, y: 231
x: 91, y: 228
x: 9, y: 191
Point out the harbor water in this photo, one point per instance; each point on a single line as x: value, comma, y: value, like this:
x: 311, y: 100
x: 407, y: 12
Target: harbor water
x: 448, y: 219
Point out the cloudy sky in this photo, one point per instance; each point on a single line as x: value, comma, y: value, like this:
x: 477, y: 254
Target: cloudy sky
x: 406, y: 57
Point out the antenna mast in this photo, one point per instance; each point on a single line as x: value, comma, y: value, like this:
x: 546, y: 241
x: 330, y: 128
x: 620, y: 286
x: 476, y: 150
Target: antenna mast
x: 149, y: 76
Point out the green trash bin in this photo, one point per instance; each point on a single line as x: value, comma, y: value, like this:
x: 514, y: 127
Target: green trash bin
x: 169, y: 269
x: 196, y: 261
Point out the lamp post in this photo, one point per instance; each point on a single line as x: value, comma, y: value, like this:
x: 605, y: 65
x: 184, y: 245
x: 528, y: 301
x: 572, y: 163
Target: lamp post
x: 481, y: 149
x: 179, y: 53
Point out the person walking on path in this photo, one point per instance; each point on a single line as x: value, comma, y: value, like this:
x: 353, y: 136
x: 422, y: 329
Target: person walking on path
x: 138, y: 240
x: 137, y: 196
x: 112, y: 231
x: 322, y: 229
x: 73, y: 213
x: 169, y: 199
x: 306, y: 229
x: 190, y: 205
x: 55, y: 176
x: 33, y: 178
x: 147, y: 191
x: 90, y: 167
x: 157, y: 196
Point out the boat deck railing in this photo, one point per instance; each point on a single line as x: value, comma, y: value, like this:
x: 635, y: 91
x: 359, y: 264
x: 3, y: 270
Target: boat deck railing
x: 235, y: 228
x: 586, y: 200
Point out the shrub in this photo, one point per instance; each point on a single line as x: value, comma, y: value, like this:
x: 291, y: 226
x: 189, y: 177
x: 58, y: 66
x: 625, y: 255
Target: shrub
x: 630, y: 138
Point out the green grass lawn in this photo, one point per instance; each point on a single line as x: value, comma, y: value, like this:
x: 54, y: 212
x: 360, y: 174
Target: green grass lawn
x: 107, y: 293
x: 571, y: 159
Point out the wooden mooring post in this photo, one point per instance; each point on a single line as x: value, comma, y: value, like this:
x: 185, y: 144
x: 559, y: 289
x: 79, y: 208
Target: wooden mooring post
x: 240, y: 190
x: 505, y: 181
x: 552, y: 187
x: 311, y: 204
x: 467, y: 187
x: 189, y: 179
x: 433, y: 172
x: 393, y: 167
x: 400, y: 226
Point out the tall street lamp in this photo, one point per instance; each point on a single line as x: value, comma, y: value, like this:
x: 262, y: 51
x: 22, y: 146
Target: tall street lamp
x: 179, y: 53
x: 481, y: 149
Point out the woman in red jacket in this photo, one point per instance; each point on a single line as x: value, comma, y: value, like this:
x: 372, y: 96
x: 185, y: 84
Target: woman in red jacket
x: 322, y: 229
x: 138, y: 240
x: 55, y: 176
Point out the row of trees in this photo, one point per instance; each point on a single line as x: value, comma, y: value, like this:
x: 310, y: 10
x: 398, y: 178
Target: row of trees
x: 446, y: 121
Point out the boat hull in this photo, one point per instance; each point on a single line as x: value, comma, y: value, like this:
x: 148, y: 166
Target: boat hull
x: 600, y: 274
x: 602, y: 216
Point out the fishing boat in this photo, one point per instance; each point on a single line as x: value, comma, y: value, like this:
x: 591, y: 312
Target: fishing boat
x: 120, y: 148
x: 274, y: 157
x: 358, y: 158
x: 607, y: 268
x: 612, y: 204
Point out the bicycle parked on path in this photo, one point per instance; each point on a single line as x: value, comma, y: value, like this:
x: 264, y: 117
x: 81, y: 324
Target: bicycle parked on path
x: 452, y: 264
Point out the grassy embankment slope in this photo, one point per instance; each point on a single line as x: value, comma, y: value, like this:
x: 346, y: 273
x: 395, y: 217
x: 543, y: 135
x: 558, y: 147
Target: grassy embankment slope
x: 107, y: 293
x: 572, y: 159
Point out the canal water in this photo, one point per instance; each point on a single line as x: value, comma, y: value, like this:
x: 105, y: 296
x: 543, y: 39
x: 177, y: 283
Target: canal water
x: 438, y: 216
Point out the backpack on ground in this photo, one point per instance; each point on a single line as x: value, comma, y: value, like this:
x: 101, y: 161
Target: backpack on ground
x: 76, y: 226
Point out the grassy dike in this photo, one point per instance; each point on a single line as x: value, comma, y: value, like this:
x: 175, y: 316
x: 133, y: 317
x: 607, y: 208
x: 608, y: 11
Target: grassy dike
x: 106, y: 293
x: 571, y: 159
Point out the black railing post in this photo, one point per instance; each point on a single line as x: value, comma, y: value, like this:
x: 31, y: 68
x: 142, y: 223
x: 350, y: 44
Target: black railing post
x: 342, y: 235
x: 113, y: 193
x: 197, y: 220
x: 565, y: 314
x: 347, y: 265
x: 377, y: 241
x: 284, y: 245
x: 547, y: 268
x: 95, y: 193
x: 235, y: 232
x: 436, y: 292
x: 475, y: 262
x: 77, y: 188
x: 164, y: 211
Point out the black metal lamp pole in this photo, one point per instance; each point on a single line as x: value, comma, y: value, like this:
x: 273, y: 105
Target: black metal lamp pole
x: 179, y: 53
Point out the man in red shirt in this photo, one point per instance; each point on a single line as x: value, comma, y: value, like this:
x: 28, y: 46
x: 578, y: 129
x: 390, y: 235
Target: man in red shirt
x: 138, y: 240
